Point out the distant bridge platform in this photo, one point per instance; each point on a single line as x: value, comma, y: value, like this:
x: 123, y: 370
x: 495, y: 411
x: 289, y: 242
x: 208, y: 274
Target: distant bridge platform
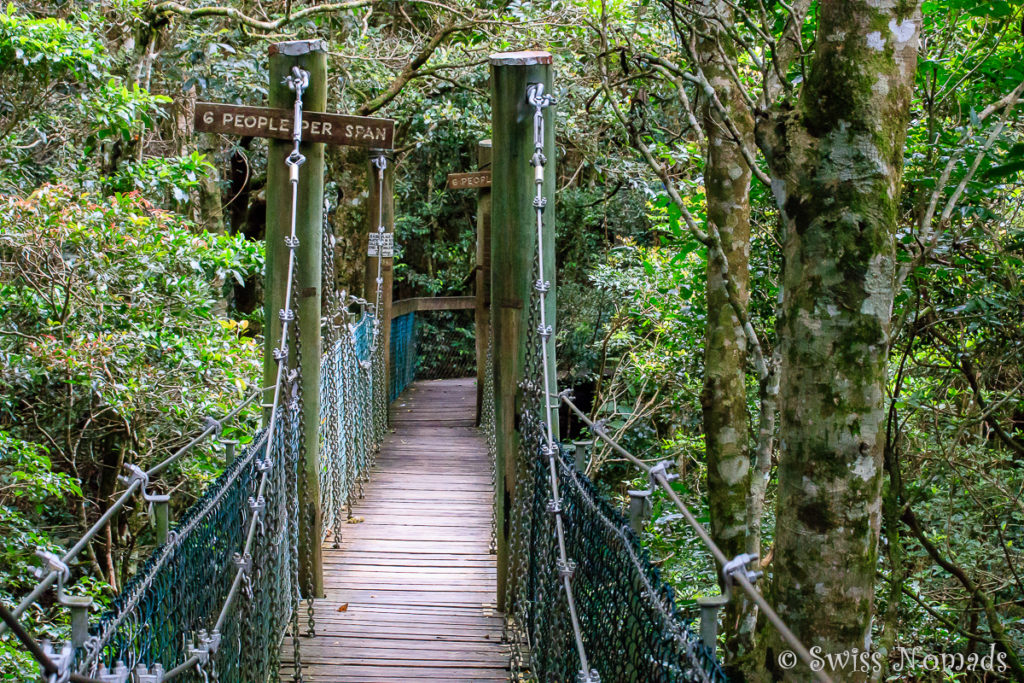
x: 410, y: 594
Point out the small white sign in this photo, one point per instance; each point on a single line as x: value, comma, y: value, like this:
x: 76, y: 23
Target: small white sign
x: 383, y: 242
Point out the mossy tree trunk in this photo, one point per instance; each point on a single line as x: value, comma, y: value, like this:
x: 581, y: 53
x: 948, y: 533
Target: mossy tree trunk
x: 836, y: 160
x: 723, y: 399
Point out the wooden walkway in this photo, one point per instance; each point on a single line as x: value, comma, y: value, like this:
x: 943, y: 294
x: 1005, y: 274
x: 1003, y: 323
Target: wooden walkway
x: 411, y: 591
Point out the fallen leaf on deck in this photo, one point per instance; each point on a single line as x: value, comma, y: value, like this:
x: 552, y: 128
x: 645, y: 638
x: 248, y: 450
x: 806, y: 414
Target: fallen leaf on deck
x: 343, y: 608
x: 355, y: 520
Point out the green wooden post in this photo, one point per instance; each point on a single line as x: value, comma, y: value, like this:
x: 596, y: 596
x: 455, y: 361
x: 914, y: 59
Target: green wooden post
x: 310, y: 55
x: 513, y: 251
x: 374, y: 219
x: 482, y: 316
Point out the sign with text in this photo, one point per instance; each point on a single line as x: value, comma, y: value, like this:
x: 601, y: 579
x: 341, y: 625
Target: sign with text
x: 469, y: 181
x: 381, y: 244
x: 266, y: 122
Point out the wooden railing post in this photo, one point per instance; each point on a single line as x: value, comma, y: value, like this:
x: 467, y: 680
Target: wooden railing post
x: 513, y: 250
x: 381, y: 211
x: 310, y: 55
x: 482, y: 315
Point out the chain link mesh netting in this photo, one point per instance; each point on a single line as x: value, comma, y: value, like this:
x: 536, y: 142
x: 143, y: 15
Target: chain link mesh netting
x: 431, y: 345
x: 628, y: 615
x: 181, y: 588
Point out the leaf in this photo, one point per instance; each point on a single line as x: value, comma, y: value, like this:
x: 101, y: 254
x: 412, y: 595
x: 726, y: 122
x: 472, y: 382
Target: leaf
x: 343, y: 607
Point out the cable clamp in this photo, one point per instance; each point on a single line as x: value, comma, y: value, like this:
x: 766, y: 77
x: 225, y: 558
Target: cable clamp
x: 545, y: 331
x: 62, y: 660
x: 286, y: 315
x: 547, y: 450
x: 52, y: 563
x: 145, y: 675
x: 538, y: 159
x: 295, y: 159
x: 584, y: 677
x: 660, y: 471
x: 380, y: 162
x: 568, y: 394
x: 257, y: 505
x: 265, y: 465
x: 281, y: 352
x: 738, y: 565
x: 555, y: 506
x: 540, y: 203
x: 212, y: 423
x: 291, y: 242
x: 119, y: 674
x: 566, y: 569
x: 542, y: 286
x: 205, y: 646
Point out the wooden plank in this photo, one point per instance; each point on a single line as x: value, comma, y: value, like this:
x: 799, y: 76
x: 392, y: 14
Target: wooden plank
x: 432, y: 303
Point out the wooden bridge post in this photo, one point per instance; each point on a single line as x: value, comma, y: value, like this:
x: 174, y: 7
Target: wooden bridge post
x: 482, y: 314
x: 374, y: 219
x: 513, y: 251
x: 310, y: 55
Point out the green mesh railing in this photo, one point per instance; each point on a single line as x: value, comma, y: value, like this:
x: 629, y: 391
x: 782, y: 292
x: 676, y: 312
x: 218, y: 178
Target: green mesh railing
x: 431, y: 345
x: 180, y: 590
x: 629, y: 620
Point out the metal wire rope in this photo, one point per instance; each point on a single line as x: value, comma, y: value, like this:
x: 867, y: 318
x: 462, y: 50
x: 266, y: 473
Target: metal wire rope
x: 733, y: 570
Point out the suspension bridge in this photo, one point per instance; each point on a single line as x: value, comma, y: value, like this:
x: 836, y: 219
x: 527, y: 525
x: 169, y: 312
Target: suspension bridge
x: 405, y: 513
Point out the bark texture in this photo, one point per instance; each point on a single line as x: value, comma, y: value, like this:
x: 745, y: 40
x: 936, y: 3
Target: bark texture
x: 836, y: 164
x: 724, y: 399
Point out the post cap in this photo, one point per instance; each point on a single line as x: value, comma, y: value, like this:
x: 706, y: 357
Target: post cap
x: 526, y: 58
x: 484, y: 143
x: 713, y: 600
x: 297, y: 48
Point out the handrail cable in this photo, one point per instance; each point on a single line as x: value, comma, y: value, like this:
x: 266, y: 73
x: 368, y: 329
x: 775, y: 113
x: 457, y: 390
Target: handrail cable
x: 733, y: 570
x: 50, y: 668
x: 136, y: 481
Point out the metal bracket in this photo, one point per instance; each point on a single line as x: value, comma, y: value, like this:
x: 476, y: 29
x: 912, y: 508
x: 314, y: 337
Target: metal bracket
x: 661, y: 471
x: 154, y: 675
x: 119, y: 674
x: 205, y: 646
x: 736, y: 565
x: 584, y: 677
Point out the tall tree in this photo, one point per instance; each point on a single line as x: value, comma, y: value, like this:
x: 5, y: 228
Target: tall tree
x: 836, y: 160
x: 724, y: 396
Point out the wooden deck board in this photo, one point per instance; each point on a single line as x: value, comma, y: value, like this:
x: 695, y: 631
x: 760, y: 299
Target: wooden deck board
x: 410, y: 590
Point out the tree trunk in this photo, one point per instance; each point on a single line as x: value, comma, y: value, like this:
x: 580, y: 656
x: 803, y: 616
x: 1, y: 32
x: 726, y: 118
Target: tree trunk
x: 724, y: 396
x: 836, y: 163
